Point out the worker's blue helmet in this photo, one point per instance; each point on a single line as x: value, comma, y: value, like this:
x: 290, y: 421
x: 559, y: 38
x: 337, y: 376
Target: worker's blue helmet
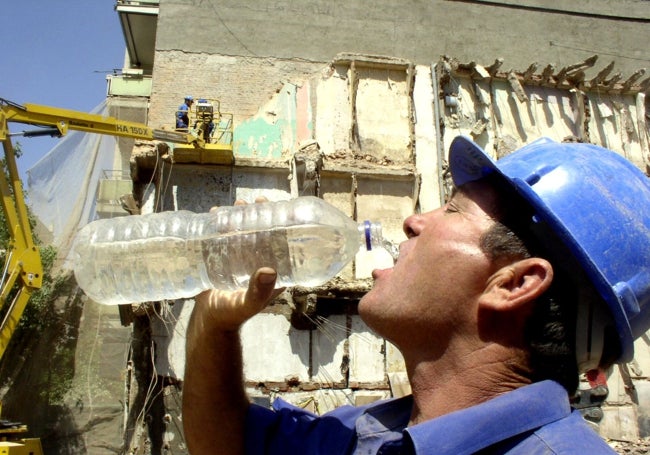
x: 597, y: 203
x: 189, y: 98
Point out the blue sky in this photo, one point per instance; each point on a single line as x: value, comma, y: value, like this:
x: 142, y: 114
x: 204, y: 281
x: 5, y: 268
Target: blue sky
x: 57, y: 53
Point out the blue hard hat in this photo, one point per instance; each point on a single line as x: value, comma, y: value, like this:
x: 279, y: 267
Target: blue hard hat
x: 189, y: 98
x: 596, y: 202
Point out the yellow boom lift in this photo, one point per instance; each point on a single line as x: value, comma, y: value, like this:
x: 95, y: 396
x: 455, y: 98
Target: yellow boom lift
x: 207, y: 122
x: 22, y: 260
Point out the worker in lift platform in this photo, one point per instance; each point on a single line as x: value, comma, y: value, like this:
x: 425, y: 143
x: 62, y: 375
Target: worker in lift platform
x: 182, y: 114
x: 536, y: 269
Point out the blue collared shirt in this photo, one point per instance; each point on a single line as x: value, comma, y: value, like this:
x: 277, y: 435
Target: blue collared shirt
x: 535, y: 419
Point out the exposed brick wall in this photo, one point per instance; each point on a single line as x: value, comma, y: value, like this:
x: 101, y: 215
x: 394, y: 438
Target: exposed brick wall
x: 241, y: 84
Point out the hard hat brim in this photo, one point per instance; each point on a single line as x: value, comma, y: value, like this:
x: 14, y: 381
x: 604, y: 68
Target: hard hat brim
x: 468, y: 162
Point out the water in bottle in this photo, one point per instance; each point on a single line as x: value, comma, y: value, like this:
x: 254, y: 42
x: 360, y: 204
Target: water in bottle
x: 171, y: 255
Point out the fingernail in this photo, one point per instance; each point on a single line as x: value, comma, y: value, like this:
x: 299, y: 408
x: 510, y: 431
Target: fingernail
x: 266, y: 277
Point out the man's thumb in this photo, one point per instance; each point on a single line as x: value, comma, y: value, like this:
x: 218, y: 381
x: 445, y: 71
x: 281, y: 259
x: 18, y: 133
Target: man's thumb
x: 263, y: 283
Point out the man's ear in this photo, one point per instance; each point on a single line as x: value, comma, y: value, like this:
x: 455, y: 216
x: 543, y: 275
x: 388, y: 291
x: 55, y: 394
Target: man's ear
x: 517, y: 284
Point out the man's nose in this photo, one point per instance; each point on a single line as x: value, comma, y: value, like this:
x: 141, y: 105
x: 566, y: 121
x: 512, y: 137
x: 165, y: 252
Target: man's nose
x: 412, y: 225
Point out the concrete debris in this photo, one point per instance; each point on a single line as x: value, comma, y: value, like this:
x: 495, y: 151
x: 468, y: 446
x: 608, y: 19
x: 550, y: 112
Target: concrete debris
x: 566, y: 78
x: 513, y: 79
x: 640, y: 447
x: 308, y: 162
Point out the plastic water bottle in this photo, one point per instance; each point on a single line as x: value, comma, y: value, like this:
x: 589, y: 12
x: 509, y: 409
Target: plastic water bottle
x: 171, y: 255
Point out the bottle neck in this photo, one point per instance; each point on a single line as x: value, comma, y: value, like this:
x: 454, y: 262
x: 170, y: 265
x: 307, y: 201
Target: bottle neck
x: 370, y: 235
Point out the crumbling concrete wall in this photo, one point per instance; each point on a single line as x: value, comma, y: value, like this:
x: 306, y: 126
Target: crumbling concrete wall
x: 502, y: 114
x: 300, y: 31
x: 241, y: 84
x: 241, y: 51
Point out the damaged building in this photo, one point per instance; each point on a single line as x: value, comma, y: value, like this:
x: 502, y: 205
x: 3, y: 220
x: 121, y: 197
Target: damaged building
x: 356, y: 105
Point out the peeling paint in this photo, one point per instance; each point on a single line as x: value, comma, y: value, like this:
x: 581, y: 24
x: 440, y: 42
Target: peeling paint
x: 272, y: 131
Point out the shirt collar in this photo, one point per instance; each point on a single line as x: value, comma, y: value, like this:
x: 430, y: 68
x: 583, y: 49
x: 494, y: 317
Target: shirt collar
x: 469, y: 430
x: 382, y: 423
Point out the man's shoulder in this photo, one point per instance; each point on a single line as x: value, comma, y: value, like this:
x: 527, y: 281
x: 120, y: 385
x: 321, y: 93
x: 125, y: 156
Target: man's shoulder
x: 569, y: 435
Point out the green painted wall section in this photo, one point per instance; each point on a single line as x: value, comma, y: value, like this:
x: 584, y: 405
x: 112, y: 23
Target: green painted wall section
x: 271, y: 133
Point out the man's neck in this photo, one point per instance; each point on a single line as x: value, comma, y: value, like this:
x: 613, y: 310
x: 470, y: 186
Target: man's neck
x: 451, y: 383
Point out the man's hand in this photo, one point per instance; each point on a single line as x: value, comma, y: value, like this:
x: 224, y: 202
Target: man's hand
x: 228, y: 310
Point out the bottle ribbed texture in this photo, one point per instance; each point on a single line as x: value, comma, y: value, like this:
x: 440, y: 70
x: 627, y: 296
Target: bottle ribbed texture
x: 172, y: 255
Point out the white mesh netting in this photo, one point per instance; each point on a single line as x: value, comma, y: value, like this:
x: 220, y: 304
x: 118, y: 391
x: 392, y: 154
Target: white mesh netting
x: 62, y: 185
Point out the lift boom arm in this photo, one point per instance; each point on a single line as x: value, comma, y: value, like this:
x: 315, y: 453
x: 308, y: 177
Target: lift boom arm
x: 65, y: 119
